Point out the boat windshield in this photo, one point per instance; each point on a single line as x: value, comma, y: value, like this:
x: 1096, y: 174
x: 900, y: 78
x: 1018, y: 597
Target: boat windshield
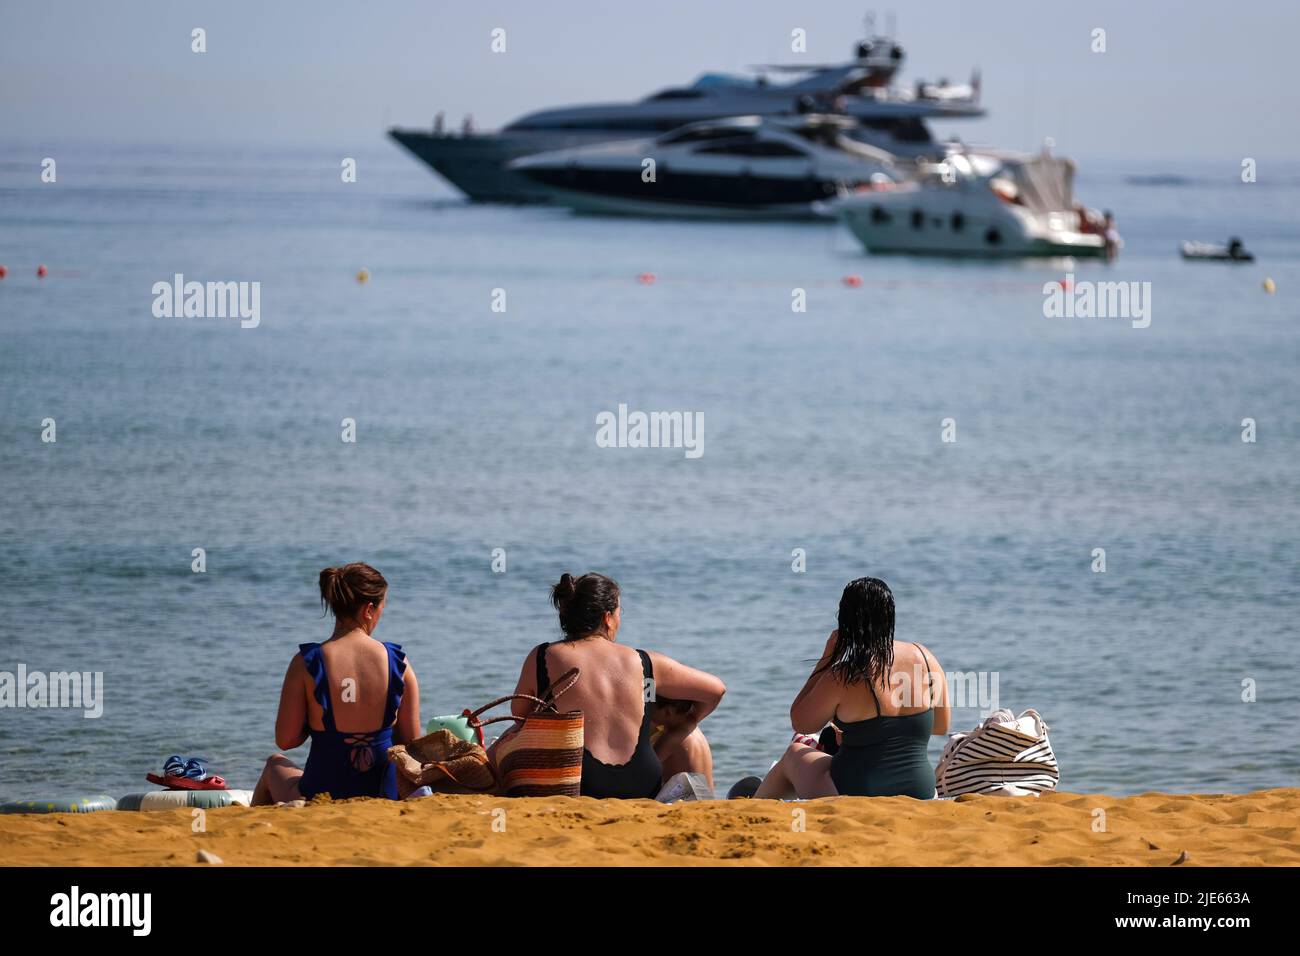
x: 1043, y: 183
x: 713, y: 81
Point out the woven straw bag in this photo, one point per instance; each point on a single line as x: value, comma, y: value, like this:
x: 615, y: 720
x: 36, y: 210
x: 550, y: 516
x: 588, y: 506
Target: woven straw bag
x: 541, y: 756
x: 444, y: 763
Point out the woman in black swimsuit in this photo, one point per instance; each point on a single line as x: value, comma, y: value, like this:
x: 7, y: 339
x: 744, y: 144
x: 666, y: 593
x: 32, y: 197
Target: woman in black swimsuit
x: 616, y: 683
x: 885, y: 699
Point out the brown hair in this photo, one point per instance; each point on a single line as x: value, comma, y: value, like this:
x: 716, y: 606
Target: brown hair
x: 583, y: 603
x: 348, y: 589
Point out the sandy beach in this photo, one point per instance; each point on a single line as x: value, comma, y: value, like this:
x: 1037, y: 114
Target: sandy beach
x: 1058, y: 829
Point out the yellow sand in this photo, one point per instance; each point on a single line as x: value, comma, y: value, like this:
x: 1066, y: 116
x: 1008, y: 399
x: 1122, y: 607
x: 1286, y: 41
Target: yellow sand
x: 1057, y: 829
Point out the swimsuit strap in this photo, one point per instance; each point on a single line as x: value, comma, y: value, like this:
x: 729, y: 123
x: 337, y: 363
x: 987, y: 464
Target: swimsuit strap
x: 879, y: 712
x: 315, y: 661
x: 543, y: 678
x: 396, y: 683
x: 648, y: 673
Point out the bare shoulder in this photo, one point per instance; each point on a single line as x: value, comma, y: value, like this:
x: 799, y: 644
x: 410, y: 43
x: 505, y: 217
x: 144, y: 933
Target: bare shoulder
x: 927, y: 654
x: 656, y: 658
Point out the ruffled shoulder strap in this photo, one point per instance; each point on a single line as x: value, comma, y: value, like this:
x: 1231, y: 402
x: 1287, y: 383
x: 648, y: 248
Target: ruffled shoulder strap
x: 315, y: 661
x: 396, y: 682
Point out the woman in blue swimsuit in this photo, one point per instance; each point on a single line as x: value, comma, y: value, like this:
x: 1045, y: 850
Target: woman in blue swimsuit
x: 885, y: 700
x: 354, y: 696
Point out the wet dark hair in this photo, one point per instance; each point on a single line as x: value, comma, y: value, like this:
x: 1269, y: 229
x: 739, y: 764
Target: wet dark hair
x: 348, y: 589
x: 583, y: 603
x: 864, y: 649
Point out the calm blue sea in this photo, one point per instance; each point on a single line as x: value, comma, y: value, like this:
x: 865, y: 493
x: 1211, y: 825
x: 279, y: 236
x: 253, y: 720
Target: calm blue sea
x: 476, y: 430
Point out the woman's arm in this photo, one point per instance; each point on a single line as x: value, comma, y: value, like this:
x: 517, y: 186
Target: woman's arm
x: 407, y: 727
x: 941, y: 703
x: 814, y: 705
x: 291, y: 720
x: 526, y: 685
x: 676, y: 680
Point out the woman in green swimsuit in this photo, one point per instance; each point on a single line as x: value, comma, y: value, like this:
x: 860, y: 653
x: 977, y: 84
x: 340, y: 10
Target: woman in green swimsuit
x: 885, y: 699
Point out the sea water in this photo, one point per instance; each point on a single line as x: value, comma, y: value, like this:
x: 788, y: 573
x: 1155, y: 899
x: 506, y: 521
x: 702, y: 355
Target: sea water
x: 929, y: 425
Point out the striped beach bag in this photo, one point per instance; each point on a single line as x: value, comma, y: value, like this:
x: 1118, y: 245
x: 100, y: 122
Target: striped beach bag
x: 1004, y: 756
x: 541, y: 756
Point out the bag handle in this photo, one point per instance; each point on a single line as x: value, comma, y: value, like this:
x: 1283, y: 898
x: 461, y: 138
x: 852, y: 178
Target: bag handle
x: 441, y: 767
x: 558, y: 687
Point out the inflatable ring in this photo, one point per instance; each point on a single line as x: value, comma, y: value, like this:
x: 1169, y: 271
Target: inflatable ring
x: 172, y: 799
x: 98, y: 801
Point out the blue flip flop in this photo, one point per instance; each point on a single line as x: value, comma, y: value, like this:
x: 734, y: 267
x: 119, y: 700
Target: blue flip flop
x: 193, y: 767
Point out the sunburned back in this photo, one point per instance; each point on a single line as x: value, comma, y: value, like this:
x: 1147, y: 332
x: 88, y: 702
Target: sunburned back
x: 363, y: 663
x: 610, y: 693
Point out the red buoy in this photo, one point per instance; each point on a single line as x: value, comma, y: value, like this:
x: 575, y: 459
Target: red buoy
x: 3, y: 272
x: 853, y: 282
x: 646, y: 278
x: 40, y: 272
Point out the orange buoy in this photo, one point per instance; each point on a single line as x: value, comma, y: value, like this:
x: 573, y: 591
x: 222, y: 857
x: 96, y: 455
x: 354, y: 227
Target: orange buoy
x: 646, y: 278
x: 40, y: 272
x: 363, y: 276
x: 853, y: 282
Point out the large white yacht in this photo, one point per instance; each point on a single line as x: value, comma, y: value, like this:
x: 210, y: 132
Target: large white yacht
x: 890, y: 117
x: 739, y: 167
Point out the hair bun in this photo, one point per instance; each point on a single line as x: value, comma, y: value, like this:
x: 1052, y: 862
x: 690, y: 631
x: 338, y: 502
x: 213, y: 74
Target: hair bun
x: 565, y: 591
x: 346, y: 589
x: 583, y: 603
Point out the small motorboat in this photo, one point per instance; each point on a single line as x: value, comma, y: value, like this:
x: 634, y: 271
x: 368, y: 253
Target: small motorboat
x: 980, y: 203
x: 1234, y: 251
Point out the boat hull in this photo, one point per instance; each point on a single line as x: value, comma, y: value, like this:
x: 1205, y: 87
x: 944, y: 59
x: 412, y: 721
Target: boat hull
x: 594, y: 204
x: 972, y: 230
x: 477, y: 164
x: 677, y: 194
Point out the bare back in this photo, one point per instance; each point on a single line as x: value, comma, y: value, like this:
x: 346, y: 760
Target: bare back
x: 610, y: 692
x: 363, y: 662
x: 904, y: 690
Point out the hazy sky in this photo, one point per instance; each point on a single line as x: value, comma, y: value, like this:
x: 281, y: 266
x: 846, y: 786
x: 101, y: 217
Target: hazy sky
x: 1179, y: 79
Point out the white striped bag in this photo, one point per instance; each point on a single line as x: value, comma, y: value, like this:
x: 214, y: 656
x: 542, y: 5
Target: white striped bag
x: 1004, y: 756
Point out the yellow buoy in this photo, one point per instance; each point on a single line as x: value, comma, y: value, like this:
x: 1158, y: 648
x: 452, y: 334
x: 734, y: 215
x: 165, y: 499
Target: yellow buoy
x: 1269, y: 286
x: 363, y: 276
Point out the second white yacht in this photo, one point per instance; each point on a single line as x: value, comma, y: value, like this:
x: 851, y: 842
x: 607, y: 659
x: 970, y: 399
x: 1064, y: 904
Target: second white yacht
x: 984, y: 204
